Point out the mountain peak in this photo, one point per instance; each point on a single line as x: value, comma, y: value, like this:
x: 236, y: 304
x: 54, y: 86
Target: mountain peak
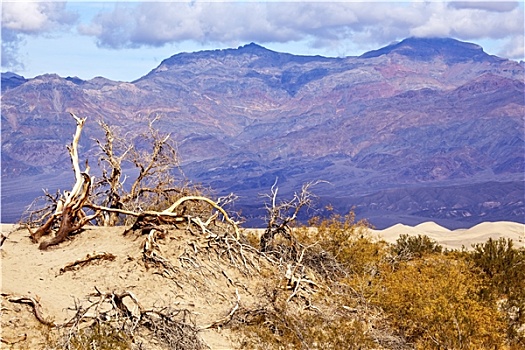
x: 252, y: 47
x: 11, y: 80
x: 185, y: 57
x: 426, y: 49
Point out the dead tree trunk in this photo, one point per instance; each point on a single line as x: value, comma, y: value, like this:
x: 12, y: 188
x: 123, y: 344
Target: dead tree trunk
x: 70, y: 214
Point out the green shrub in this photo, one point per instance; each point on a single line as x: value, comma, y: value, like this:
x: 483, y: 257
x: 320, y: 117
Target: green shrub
x: 503, y: 264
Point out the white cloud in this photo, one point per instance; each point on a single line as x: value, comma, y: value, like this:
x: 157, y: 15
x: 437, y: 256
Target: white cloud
x: 24, y: 17
x: 156, y: 24
x: 514, y: 48
x: 493, y: 6
x: 112, y: 29
x: 30, y: 18
x: 325, y: 24
x: 471, y: 23
x: 35, y: 17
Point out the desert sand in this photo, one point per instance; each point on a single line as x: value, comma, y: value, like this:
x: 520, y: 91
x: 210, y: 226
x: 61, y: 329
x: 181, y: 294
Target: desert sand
x: 456, y: 239
x: 206, y: 287
x: 208, y: 292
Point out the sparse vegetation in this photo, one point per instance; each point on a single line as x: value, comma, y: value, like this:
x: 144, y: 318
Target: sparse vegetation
x: 427, y: 300
x: 99, y: 336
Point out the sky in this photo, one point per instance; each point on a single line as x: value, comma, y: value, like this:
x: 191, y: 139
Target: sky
x: 125, y: 40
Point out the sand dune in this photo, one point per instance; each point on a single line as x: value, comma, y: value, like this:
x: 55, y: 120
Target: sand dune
x: 431, y: 226
x: 455, y: 239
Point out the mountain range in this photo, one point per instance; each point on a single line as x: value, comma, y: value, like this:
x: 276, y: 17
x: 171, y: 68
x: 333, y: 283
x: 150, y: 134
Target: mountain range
x: 423, y: 129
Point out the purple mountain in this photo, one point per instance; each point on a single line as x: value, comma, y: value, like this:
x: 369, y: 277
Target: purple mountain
x: 424, y: 129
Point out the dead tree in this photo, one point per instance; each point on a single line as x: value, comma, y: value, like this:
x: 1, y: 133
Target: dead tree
x: 110, y: 178
x: 69, y: 214
x: 69, y: 209
x: 154, y: 165
x: 155, y: 160
x: 281, y: 215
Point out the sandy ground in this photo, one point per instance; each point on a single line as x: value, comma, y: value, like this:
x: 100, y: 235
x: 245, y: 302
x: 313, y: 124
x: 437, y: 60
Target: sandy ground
x: 27, y: 271
x: 207, y: 290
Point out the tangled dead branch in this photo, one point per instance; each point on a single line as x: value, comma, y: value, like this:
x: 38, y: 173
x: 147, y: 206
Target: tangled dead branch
x: 281, y: 215
x: 70, y: 208
x: 203, y: 253
x: 154, y: 157
x: 122, y: 312
x: 295, y: 275
x: 223, y: 321
x: 174, y: 327
x: 171, y: 216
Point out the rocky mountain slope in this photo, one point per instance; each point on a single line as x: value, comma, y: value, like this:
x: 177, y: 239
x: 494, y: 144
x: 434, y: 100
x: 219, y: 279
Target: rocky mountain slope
x: 421, y: 129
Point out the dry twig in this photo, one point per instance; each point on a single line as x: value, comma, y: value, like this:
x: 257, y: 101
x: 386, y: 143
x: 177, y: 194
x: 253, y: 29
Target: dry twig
x: 20, y: 338
x: 282, y: 215
x: 223, y: 321
x: 89, y: 258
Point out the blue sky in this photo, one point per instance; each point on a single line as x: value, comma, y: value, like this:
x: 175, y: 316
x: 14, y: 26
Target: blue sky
x: 125, y: 40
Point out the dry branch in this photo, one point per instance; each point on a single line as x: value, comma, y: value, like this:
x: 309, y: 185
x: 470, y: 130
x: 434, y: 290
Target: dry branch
x: 150, y: 254
x: 113, y: 193
x: 173, y: 327
x: 36, y: 307
x: 282, y: 215
x: 21, y: 338
x: 169, y: 216
x: 89, y: 258
x: 223, y: 321
x: 295, y: 282
x: 153, y: 155
x: 175, y: 205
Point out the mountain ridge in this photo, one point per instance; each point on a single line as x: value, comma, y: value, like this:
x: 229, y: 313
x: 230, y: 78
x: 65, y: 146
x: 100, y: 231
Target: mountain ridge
x: 425, y: 49
x: 244, y: 117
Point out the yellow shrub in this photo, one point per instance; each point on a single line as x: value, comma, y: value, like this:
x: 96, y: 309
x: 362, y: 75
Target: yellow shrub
x: 435, y: 303
x: 350, y: 243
